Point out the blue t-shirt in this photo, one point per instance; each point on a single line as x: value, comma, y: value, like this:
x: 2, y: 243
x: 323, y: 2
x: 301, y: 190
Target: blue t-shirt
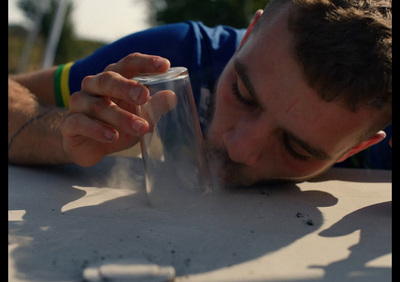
x: 204, y: 51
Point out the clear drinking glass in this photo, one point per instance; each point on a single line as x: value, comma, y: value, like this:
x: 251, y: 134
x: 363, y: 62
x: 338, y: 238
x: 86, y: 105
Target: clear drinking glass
x: 175, y: 163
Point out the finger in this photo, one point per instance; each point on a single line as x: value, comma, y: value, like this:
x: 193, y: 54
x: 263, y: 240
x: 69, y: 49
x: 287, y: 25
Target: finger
x: 112, y: 84
x: 163, y: 101
x: 106, y: 111
x: 77, y: 127
x: 87, y: 141
x: 159, y: 104
x: 136, y: 63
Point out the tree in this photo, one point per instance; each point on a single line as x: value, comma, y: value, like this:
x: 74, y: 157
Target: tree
x: 32, y: 7
x: 236, y: 13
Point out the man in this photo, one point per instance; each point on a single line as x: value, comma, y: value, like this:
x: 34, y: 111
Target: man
x: 309, y: 86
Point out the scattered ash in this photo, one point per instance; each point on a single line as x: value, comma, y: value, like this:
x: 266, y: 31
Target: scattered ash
x: 306, y: 219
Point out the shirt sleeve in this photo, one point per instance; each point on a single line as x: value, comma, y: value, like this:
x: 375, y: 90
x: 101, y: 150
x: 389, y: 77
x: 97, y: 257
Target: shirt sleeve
x: 203, y: 50
x: 169, y: 41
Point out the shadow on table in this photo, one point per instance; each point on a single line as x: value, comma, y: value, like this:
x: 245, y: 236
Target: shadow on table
x: 374, y: 222
x: 355, y: 175
x: 223, y: 230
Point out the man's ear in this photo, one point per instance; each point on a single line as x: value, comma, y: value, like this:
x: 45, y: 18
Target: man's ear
x: 256, y: 17
x: 378, y: 137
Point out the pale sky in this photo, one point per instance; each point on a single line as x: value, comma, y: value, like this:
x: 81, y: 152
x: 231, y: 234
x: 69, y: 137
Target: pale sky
x: 103, y: 20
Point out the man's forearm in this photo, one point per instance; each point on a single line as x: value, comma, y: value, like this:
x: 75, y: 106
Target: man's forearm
x: 33, y: 133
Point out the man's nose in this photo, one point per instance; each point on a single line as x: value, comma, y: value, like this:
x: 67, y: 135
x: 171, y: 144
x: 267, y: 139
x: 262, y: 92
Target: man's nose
x: 245, y: 144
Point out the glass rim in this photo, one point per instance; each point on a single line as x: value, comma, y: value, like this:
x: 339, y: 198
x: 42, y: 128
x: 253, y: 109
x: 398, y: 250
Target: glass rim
x: 153, y: 78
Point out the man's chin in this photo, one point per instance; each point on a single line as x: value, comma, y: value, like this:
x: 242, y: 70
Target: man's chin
x: 231, y: 175
x: 227, y: 173
x: 242, y: 183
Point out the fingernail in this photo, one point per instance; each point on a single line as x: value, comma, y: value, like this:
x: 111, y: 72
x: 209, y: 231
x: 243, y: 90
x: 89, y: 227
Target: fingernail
x: 159, y: 62
x: 137, y: 125
x: 135, y: 93
x: 109, y: 134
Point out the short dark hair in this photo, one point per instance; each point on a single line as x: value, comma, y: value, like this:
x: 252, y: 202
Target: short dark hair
x: 345, y: 49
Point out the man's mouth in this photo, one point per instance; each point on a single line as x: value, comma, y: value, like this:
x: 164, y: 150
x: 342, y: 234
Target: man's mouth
x: 219, y: 172
x: 225, y: 171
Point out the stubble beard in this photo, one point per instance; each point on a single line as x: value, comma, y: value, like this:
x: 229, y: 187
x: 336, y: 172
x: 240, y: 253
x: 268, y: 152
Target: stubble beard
x: 224, y: 171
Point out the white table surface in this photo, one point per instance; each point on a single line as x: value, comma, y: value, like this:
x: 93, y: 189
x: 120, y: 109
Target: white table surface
x: 68, y: 223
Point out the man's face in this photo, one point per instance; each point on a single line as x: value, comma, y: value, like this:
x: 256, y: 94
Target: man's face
x: 268, y: 123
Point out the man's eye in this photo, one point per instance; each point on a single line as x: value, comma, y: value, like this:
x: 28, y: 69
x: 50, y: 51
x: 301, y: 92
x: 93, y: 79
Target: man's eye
x: 240, y: 98
x: 293, y: 152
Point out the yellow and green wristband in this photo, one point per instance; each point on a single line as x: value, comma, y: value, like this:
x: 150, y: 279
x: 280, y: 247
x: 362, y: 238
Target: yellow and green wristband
x: 61, y: 86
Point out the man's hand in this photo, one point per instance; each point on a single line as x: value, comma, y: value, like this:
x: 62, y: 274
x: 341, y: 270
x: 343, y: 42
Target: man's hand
x: 102, y: 115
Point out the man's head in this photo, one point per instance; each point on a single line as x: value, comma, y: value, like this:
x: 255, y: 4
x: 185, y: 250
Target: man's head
x: 309, y: 86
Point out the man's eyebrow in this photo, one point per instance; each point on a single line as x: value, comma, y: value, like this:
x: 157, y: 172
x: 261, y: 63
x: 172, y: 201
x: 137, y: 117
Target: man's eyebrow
x: 314, y: 151
x: 242, y: 72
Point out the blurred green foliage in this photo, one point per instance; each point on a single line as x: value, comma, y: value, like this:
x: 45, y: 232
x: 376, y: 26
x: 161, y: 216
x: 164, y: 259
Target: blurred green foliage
x: 17, y: 35
x: 64, y: 51
x: 70, y: 48
x: 236, y: 13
